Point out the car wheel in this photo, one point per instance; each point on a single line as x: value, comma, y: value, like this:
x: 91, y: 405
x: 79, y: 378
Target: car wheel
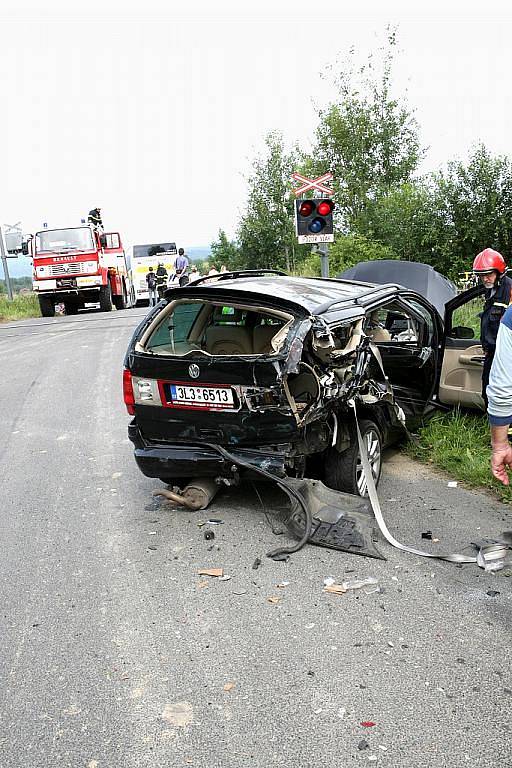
x: 344, y: 471
x: 106, y: 298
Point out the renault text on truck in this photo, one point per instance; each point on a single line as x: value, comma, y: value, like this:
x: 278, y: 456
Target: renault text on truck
x: 78, y: 265
x: 150, y: 255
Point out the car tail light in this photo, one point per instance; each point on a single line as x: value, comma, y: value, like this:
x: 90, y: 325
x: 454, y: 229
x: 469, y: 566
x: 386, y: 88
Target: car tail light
x: 129, y: 399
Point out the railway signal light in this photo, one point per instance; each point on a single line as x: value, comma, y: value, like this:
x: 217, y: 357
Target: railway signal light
x: 313, y: 220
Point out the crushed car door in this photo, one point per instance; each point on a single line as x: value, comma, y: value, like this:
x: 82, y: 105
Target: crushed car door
x: 404, y: 332
x: 460, y: 380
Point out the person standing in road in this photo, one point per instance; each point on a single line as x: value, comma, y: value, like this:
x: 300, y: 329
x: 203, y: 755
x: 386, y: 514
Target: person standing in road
x: 161, y: 279
x: 152, y: 283
x: 499, y: 392
x: 181, y: 267
x: 490, y: 267
x: 94, y: 218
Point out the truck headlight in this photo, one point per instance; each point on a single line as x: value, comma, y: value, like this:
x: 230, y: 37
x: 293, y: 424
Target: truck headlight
x: 42, y: 271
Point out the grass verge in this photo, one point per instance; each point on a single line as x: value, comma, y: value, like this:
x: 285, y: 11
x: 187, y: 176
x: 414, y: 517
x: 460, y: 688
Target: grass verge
x: 459, y: 444
x: 24, y: 305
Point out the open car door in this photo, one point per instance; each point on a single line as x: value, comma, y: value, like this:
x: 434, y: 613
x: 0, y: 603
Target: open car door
x: 460, y: 381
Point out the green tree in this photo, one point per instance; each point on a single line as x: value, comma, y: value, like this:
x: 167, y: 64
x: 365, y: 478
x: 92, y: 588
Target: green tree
x: 367, y: 138
x: 266, y: 235
x: 224, y: 251
x: 473, y: 205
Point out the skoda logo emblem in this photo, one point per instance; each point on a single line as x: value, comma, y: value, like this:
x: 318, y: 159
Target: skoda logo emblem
x: 194, y: 370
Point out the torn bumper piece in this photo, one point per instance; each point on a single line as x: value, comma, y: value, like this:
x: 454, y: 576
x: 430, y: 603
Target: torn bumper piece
x: 340, y: 520
x: 188, y: 460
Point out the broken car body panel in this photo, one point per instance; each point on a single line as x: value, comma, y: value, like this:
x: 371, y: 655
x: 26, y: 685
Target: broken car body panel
x: 267, y: 365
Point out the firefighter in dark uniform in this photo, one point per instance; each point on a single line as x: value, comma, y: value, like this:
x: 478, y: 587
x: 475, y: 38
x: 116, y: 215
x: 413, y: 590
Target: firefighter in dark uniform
x: 490, y: 267
x: 161, y: 279
x: 94, y: 218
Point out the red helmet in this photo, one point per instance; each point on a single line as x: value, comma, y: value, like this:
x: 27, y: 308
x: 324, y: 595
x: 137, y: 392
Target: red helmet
x: 488, y: 261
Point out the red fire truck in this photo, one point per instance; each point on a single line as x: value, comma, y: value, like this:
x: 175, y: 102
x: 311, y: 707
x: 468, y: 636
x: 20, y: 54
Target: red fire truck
x: 77, y: 266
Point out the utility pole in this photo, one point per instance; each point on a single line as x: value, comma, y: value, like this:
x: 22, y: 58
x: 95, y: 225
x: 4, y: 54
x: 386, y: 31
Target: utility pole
x: 4, y: 264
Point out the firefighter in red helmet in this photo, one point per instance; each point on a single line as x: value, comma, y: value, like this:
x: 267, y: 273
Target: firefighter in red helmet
x: 489, y: 266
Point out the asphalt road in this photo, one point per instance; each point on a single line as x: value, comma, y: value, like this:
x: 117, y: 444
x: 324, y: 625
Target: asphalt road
x: 116, y: 654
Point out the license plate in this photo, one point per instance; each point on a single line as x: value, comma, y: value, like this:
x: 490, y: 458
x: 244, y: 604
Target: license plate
x: 201, y: 397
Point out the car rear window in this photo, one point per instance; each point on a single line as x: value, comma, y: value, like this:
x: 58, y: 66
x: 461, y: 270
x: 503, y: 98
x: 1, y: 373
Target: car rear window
x: 175, y: 328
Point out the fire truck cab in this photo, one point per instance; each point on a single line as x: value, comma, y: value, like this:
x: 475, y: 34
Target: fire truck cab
x: 77, y: 266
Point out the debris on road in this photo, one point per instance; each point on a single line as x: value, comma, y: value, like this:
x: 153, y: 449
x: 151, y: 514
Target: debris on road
x: 427, y: 535
x: 369, y: 585
x: 215, y: 572
x: 229, y: 686
x: 452, y: 484
x: 274, y: 599
x: 363, y: 744
x: 256, y: 564
x: 196, y: 495
x: 282, y: 584
x: 215, y: 521
x: 368, y: 723
x: 209, y: 535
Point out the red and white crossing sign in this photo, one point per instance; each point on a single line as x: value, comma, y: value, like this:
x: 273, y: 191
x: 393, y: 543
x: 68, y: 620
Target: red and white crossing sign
x: 313, y: 184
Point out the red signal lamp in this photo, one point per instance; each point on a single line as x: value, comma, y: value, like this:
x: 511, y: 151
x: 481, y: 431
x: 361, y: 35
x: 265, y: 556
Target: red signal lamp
x: 325, y: 207
x: 306, y: 208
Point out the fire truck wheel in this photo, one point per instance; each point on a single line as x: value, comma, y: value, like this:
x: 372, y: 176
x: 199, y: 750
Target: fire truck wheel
x: 106, y: 298
x: 46, y: 306
x: 120, y: 302
x: 71, y: 308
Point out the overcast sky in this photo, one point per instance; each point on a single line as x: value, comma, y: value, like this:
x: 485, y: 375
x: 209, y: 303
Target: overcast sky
x: 156, y: 116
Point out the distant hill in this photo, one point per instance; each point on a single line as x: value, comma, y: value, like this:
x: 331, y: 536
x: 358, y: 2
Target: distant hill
x: 199, y: 252
x: 18, y: 267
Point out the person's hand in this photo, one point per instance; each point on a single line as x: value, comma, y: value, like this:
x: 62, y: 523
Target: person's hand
x: 501, y: 461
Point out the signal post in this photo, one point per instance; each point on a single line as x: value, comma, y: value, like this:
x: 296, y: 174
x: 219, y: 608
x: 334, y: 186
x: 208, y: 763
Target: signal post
x: 313, y: 216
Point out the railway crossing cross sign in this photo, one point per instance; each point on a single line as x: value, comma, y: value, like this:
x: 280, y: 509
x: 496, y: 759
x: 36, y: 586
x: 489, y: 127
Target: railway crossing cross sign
x: 315, y: 184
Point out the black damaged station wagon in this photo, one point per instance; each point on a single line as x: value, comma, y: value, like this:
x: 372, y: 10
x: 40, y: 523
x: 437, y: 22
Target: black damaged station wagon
x: 269, y: 367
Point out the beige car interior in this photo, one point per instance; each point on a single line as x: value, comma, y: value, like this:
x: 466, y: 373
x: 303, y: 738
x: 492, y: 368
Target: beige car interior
x: 461, y: 376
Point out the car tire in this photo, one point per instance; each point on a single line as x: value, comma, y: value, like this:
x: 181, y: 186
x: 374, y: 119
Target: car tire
x: 106, y: 298
x: 46, y: 306
x: 344, y: 471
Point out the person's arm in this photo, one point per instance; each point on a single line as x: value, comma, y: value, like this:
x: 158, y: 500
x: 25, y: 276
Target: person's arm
x: 499, y: 394
x: 501, y: 458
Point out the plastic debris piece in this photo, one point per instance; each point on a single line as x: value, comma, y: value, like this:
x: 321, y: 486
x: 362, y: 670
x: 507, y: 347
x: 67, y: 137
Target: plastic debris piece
x: 363, y: 744
x: 492, y: 592
x: 436, y: 541
x: 427, y: 535
x: 256, y: 564
x: 368, y: 723
x: 152, y: 547
x: 240, y: 592
x: 370, y: 583
x: 452, y: 484
x: 329, y: 581
x: 211, y: 572
x: 273, y: 599
x: 215, y: 521
x: 335, y: 589
x: 202, y: 584
x: 381, y: 746
x: 282, y: 584
x: 224, y: 578
x: 372, y: 758
x: 229, y: 686
x: 209, y: 535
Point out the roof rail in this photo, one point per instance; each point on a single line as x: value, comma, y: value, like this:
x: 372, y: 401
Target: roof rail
x: 236, y: 274
x: 387, y: 287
